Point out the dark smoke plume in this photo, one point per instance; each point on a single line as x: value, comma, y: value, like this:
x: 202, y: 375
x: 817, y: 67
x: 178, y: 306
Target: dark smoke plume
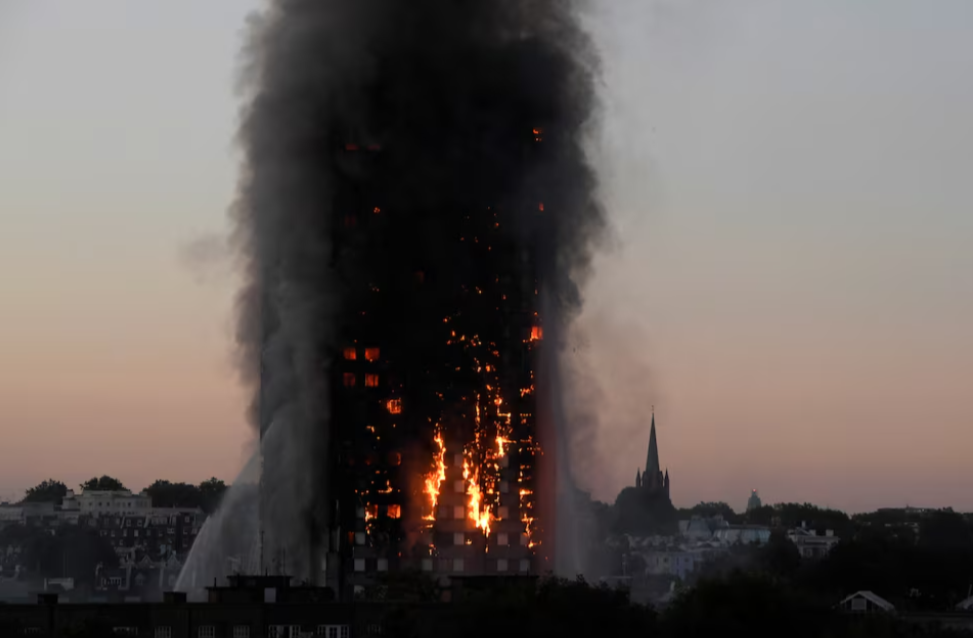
x: 451, y: 98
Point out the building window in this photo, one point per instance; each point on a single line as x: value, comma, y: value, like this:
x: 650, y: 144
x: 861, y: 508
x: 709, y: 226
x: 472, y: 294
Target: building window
x: 458, y: 538
x: 350, y: 354
x: 504, y: 487
x: 503, y: 512
x: 163, y: 632
x: 371, y: 354
x: 349, y: 378
x: 524, y: 540
x: 502, y: 565
x: 360, y: 512
x: 395, y: 406
x: 371, y: 380
x: 502, y: 539
x: 206, y: 631
x: 359, y: 564
x: 459, y: 487
x: 505, y: 461
x: 395, y: 511
x: 525, y: 565
x: 427, y: 564
x: 241, y: 631
x: 359, y: 538
x: 459, y: 512
x: 457, y: 564
x: 458, y: 460
x: 383, y: 564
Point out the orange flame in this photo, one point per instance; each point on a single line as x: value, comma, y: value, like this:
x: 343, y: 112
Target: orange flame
x: 434, y: 481
x: 480, y: 517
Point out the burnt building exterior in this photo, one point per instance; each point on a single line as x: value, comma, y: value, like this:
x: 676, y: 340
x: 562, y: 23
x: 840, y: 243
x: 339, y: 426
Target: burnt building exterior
x: 416, y: 214
x: 433, y: 424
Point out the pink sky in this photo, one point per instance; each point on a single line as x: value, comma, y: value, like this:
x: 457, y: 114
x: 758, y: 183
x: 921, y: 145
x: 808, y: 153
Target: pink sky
x: 790, y: 282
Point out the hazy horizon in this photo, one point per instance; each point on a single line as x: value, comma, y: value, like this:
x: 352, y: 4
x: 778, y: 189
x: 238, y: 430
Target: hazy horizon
x: 789, y: 283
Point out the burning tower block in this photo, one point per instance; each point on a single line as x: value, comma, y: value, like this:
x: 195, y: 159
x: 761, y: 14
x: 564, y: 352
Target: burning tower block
x: 434, y: 398
x: 416, y: 211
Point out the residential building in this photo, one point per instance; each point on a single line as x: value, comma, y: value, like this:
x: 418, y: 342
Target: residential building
x: 866, y: 602
x: 742, y: 535
x: 812, y: 545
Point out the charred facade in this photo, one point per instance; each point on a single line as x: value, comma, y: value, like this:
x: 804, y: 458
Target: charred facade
x: 433, y: 390
x: 416, y: 213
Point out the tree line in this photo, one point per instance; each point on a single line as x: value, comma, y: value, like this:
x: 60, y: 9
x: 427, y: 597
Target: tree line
x: 752, y: 603
x: 206, y: 496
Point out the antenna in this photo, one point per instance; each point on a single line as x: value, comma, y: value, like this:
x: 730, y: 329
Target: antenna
x: 261, y: 541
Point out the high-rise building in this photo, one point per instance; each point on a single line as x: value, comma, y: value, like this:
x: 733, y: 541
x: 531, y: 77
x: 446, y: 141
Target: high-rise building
x: 753, y: 503
x: 434, y: 441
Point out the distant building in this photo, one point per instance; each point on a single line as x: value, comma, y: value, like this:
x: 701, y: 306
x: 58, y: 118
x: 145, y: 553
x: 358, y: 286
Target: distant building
x: 866, y: 602
x: 99, y: 502
x: 754, y: 502
x: 151, y: 543
x: 679, y: 563
x: 810, y: 544
x: 743, y: 535
x: 699, y: 528
x: 653, y: 480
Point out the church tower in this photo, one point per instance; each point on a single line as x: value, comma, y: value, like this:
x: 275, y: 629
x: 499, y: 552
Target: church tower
x: 653, y: 479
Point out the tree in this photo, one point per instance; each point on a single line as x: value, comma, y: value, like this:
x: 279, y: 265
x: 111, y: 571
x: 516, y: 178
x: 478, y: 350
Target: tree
x: 710, y: 510
x: 50, y: 491
x: 105, y: 483
x: 744, y: 604
x: 211, y: 493
x: 166, y: 494
x: 640, y: 512
x: 945, y: 530
x: 72, y: 553
x: 553, y: 607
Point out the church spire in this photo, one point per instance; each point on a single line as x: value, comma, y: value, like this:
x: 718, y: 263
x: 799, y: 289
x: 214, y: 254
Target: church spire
x: 652, y: 460
x: 638, y: 478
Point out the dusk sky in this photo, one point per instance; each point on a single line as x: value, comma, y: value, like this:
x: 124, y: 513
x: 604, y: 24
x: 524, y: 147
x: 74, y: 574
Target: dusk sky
x: 789, y: 280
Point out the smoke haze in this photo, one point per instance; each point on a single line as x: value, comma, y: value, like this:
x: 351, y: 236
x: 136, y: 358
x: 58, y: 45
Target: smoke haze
x: 451, y: 94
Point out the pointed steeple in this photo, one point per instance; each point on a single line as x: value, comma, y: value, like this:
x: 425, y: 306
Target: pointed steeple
x: 652, y: 460
x: 638, y: 478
